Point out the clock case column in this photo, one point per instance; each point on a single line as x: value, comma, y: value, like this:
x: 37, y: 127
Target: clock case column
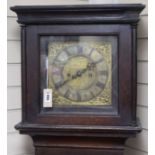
x: 73, y: 138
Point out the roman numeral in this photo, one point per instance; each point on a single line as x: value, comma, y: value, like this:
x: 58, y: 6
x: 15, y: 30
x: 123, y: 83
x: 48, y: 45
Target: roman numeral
x: 103, y: 72
x: 91, y: 51
x: 100, y: 84
x: 92, y: 94
x: 78, y: 96
x: 100, y: 60
x: 58, y: 84
x: 67, y: 94
x: 67, y: 52
x: 80, y: 49
x: 59, y: 63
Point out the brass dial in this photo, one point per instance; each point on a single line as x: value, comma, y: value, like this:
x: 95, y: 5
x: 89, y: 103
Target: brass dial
x: 79, y: 75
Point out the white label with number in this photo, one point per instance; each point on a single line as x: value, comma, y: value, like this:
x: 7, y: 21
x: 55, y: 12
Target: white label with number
x: 47, y: 98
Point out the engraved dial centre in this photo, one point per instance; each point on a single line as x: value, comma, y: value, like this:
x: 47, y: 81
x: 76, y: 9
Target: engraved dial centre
x: 79, y: 73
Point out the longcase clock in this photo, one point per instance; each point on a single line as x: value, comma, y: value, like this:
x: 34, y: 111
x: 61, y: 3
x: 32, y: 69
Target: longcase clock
x: 79, y: 77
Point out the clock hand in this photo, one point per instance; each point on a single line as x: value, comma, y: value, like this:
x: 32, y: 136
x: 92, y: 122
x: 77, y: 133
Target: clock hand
x: 80, y: 72
x: 57, y: 86
x: 76, y: 75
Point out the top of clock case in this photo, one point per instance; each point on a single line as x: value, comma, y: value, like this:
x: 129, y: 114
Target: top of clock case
x: 77, y: 14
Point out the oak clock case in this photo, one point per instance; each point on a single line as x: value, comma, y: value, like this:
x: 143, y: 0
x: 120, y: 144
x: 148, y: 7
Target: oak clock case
x: 79, y: 77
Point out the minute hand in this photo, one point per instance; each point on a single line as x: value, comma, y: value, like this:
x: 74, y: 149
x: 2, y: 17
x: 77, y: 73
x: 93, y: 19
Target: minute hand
x: 75, y: 76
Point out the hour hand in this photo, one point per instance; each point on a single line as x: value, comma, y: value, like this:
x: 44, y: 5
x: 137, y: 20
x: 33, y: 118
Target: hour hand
x: 79, y: 73
x: 76, y: 75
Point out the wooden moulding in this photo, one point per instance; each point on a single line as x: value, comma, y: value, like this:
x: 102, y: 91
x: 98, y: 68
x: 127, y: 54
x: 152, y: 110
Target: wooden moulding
x: 77, y: 14
x: 79, y: 131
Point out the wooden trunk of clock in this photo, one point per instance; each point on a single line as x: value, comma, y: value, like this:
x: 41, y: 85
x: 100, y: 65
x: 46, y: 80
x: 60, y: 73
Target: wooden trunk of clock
x: 83, y: 146
x: 79, y: 77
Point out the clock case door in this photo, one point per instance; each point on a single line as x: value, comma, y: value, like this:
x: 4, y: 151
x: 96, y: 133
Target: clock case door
x: 122, y: 112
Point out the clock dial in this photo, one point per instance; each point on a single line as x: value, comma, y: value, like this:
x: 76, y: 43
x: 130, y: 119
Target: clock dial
x: 79, y: 72
x: 76, y: 75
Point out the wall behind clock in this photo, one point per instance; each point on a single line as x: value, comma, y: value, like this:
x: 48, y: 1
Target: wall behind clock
x: 22, y: 144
